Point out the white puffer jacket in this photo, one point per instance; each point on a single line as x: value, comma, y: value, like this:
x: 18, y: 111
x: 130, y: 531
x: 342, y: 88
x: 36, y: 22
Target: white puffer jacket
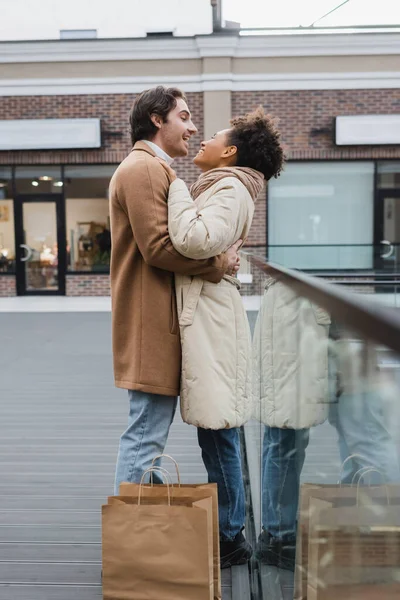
x: 216, y: 386
x: 290, y: 350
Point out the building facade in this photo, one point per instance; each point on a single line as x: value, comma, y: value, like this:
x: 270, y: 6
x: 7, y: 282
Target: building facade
x: 64, y: 109
x: 52, y: 20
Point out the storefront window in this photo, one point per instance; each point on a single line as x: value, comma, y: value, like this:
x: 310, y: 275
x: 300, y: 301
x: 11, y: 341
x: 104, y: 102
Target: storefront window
x: 88, y: 217
x: 320, y: 216
x: 389, y: 175
x: 38, y: 179
x: 7, y: 238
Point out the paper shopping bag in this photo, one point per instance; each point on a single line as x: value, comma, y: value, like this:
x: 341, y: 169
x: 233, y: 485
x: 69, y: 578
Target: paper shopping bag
x: 157, y: 549
x: 338, y: 495
x: 195, y: 492
x: 351, y: 548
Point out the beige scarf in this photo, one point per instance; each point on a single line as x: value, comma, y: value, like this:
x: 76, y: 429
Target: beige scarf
x: 252, y: 180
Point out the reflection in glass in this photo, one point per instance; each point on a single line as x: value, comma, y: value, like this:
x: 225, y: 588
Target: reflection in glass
x: 324, y: 457
x: 38, y: 179
x: 7, y: 239
x: 390, y: 254
x: 290, y: 352
x: 88, y: 220
x: 322, y: 204
x: 388, y: 175
x: 40, y: 246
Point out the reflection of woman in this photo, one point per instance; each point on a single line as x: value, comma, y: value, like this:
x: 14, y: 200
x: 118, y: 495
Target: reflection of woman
x: 216, y: 361
x: 291, y: 387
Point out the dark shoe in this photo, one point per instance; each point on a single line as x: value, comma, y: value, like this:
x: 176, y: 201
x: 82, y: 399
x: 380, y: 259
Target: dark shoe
x: 276, y: 552
x: 235, y: 552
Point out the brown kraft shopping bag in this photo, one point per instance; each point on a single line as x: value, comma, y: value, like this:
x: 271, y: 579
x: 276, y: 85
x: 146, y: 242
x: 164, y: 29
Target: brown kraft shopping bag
x: 339, y: 495
x: 157, y: 548
x: 194, y: 491
x: 352, y: 549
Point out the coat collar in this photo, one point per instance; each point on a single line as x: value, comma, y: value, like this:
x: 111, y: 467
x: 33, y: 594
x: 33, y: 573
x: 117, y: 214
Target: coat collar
x: 153, y: 149
x: 159, y: 152
x: 142, y: 146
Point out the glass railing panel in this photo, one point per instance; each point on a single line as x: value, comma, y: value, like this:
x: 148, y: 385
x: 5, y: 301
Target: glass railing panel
x: 322, y: 450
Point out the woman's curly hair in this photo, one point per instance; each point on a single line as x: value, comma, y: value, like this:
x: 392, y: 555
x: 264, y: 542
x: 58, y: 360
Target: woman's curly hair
x: 257, y: 140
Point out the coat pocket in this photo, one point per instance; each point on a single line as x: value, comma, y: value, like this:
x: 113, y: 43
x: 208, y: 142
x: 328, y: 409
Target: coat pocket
x: 321, y: 316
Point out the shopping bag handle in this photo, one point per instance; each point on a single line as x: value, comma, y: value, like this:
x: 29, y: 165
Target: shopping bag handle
x: 166, y: 473
x: 163, y: 473
x: 346, y: 461
x: 361, y: 472
x: 365, y: 472
x: 173, y: 460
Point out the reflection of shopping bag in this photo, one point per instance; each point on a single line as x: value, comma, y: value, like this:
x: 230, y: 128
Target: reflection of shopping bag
x: 157, y: 548
x: 195, y: 492
x: 338, y: 495
x: 352, y: 549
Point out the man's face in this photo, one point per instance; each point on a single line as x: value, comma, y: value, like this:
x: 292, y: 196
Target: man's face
x: 174, y: 134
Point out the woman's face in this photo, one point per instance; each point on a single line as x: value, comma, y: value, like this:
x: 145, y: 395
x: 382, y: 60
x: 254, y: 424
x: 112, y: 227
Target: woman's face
x: 216, y: 152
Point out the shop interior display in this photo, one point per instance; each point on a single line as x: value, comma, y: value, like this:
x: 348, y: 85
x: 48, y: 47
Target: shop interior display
x: 92, y: 248
x: 7, y: 258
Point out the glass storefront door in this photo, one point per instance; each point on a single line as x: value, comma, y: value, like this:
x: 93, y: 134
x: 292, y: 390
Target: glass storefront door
x: 388, y: 229
x: 38, y: 232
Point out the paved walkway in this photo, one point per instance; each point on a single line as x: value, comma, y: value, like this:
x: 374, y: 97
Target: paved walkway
x: 51, y: 304
x: 60, y: 420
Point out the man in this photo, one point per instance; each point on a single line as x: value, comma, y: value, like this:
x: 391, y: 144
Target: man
x: 146, y: 343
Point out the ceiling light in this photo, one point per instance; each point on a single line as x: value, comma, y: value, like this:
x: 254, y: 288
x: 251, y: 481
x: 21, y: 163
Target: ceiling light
x: 3, y: 183
x: 58, y: 184
x: 45, y: 178
x: 35, y: 182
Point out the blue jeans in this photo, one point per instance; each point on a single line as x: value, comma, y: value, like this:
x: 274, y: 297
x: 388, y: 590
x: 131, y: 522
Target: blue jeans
x: 221, y: 456
x: 284, y: 453
x: 150, y: 418
x: 364, y: 435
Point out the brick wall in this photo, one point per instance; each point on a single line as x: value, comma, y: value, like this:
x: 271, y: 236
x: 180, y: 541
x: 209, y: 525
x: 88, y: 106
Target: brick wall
x: 184, y: 166
x: 112, y: 109
x: 306, y: 118
x: 257, y: 233
x: 77, y: 285
x: 88, y: 285
x: 307, y: 122
x: 7, y: 286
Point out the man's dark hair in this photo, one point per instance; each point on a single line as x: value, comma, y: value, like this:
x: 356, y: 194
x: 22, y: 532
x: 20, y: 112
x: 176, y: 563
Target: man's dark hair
x: 258, y: 143
x: 159, y: 101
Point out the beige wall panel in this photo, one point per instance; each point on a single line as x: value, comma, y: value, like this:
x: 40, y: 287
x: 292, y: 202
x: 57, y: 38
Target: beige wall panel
x: 217, y: 112
x: 222, y: 64
x: 316, y: 64
x: 123, y: 68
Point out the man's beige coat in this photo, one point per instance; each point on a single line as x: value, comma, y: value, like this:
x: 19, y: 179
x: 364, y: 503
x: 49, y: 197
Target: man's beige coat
x: 145, y: 331
x: 216, y: 390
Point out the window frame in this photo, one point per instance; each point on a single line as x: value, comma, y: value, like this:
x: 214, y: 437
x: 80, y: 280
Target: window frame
x: 63, y: 214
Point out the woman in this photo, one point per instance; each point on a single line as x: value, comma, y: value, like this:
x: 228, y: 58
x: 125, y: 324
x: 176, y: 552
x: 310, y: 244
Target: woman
x: 290, y: 354
x: 216, y: 382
